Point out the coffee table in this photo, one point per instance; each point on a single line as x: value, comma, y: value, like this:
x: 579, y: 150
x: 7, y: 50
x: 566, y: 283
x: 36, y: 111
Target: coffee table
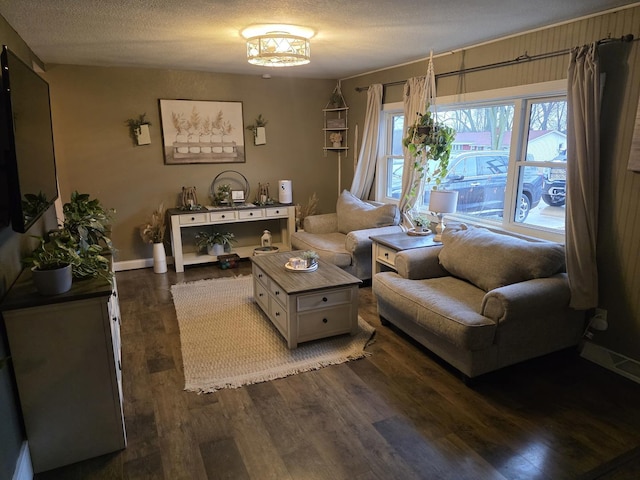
x: 304, y: 305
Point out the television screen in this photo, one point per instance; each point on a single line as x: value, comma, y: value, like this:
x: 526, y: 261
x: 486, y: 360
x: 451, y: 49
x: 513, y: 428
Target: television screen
x: 27, y: 142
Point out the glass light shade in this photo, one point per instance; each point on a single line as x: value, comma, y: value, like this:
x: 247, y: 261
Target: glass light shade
x: 443, y: 201
x: 278, y: 50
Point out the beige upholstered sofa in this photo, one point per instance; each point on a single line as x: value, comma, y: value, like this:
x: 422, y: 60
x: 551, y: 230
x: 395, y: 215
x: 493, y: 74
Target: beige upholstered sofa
x: 342, y: 238
x: 483, y: 300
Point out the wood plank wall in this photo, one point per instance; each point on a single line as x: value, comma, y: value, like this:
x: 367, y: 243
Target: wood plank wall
x: 619, y: 235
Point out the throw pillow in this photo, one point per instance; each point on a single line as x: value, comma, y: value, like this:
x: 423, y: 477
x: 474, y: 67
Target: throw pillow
x: 491, y: 260
x: 355, y: 214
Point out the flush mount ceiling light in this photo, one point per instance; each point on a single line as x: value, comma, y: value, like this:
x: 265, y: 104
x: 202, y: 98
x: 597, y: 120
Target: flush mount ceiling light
x: 277, y: 45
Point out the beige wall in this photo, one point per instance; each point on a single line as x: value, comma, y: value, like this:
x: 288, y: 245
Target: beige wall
x: 619, y: 235
x: 96, y: 155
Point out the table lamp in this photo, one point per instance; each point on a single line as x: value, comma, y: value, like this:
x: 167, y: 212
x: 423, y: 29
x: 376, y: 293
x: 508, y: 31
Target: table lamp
x: 441, y: 202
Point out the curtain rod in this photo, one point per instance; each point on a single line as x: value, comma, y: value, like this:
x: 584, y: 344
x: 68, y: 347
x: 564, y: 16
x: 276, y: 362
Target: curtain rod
x: 521, y: 59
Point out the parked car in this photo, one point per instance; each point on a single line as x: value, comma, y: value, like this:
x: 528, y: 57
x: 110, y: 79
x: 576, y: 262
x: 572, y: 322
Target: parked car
x: 480, y: 177
x: 554, y: 183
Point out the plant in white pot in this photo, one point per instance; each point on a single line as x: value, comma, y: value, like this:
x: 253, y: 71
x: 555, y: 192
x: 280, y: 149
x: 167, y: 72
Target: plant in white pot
x: 215, y: 242
x: 153, y: 232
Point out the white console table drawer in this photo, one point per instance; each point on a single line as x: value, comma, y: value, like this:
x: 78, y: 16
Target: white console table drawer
x: 324, y: 323
x: 193, y: 218
x: 222, y: 216
x: 276, y: 212
x: 324, y: 299
x: 247, y: 214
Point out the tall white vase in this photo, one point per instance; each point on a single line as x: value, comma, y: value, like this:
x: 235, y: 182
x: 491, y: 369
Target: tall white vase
x: 159, y: 258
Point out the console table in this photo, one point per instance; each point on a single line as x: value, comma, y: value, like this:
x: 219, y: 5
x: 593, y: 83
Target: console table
x: 384, y: 248
x: 280, y: 215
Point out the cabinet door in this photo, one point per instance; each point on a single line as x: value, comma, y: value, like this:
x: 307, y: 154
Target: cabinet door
x: 65, y: 369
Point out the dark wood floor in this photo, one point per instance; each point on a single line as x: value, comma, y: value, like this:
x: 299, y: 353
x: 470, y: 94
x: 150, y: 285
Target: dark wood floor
x: 399, y: 414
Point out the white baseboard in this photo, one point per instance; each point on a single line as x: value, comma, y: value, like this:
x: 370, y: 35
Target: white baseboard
x: 136, y: 264
x: 24, y: 469
x: 616, y: 362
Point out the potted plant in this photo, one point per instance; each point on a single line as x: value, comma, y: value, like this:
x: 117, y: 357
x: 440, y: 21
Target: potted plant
x: 139, y: 129
x: 52, y: 262
x: 153, y: 232
x: 259, y: 132
x: 429, y: 142
x: 310, y: 257
x: 215, y: 242
x: 87, y: 221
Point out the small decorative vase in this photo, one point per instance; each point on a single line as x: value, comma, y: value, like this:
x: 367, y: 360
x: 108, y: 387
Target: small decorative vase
x: 205, y: 139
x: 52, y: 282
x: 337, y: 144
x: 159, y: 258
x: 215, y: 250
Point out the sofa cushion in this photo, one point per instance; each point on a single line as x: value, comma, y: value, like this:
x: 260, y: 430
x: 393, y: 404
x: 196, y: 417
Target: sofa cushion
x: 355, y: 214
x: 330, y: 246
x: 490, y: 260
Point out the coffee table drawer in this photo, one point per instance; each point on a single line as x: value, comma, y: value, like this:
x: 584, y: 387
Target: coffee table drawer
x: 278, y: 293
x: 324, y: 299
x: 386, y: 255
x: 260, y: 276
x: 279, y: 317
x: 262, y: 297
x: 324, y: 323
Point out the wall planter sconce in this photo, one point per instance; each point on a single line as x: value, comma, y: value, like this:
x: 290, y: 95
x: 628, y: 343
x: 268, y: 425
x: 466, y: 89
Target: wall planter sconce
x: 259, y: 132
x: 139, y: 129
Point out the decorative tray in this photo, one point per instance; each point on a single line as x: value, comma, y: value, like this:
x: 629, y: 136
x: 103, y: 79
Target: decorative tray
x: 413, y: 232
x: 312, y: 268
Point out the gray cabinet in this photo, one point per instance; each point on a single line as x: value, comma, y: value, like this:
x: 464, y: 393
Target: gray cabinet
x: 65, y: 350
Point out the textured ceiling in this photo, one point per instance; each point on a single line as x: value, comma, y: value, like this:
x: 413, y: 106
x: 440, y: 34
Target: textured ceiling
x: 352, y: 36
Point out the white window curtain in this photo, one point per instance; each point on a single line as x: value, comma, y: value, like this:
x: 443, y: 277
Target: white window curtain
x: 366, y: 168
x: 583, y: 172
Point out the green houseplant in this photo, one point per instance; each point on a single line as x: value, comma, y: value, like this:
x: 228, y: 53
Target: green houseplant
x: 311, y: 257
x: 52, y: 262
x: 429, y: 142
x: 215, y: 242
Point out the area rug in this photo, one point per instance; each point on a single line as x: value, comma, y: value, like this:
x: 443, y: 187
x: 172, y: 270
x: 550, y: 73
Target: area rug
x: 228, y: 342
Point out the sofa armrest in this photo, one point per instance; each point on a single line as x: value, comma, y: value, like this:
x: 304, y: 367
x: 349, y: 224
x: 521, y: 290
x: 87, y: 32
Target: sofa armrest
x: 531, y: 298
x: 323, y: 223
x: 420, y: 263
x: 360, y: 240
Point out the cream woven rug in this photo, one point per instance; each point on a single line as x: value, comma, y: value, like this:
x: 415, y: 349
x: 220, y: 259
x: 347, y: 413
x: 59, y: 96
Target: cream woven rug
x: 228, y: 342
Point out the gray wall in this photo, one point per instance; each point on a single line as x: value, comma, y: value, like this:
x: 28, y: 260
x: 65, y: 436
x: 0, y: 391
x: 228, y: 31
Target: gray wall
x: 619, y: 228
x: 96, y: 155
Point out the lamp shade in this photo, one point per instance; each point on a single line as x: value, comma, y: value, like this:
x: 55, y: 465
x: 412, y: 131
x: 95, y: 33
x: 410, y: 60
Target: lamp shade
x: 443, y: 201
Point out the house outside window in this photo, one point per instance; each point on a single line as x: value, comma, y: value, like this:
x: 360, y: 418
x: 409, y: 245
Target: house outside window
x: 508, y: 160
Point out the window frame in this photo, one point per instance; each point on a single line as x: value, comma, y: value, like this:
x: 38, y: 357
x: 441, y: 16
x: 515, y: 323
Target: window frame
x: 521, y: 97
x: 389, y: 111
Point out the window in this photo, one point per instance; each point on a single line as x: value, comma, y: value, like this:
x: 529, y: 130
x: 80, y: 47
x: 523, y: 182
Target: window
x: 391, y: 158
x: 508, y: 160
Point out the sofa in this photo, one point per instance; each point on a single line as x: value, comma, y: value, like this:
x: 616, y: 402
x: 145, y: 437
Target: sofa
x: 342, y: 238
x: 482, y: 300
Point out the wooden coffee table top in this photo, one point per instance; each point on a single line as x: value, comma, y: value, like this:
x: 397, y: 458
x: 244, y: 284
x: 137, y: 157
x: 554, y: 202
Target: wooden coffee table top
x: 326, y: 276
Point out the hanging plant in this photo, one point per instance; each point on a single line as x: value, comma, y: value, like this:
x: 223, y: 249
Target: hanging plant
x: 429, y: 142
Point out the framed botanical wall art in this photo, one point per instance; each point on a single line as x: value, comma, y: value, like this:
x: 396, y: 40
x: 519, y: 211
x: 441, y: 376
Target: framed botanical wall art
x: 202, y: 131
